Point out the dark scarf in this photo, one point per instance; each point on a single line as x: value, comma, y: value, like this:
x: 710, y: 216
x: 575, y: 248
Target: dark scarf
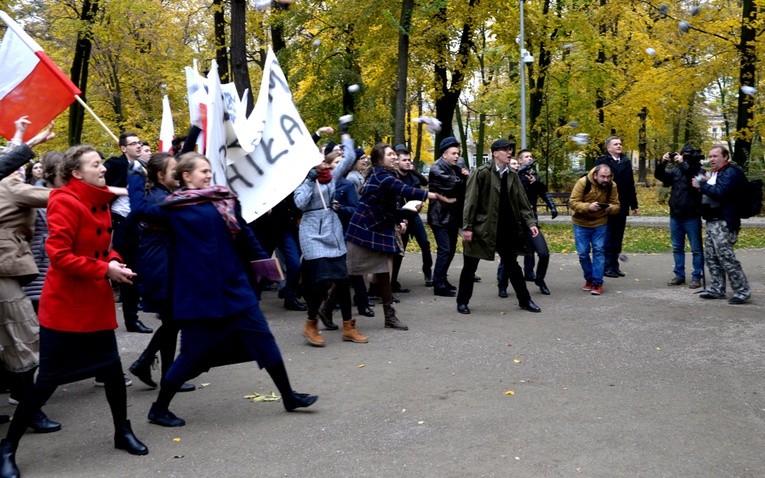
x: 220, y: 197
x: 325, y: 176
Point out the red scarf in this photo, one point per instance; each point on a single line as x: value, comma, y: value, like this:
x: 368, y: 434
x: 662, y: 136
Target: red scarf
x: 325, y: 176
x: 223, y: 199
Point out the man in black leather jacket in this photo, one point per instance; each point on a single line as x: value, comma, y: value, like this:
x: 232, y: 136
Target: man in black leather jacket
x: 447, y: 178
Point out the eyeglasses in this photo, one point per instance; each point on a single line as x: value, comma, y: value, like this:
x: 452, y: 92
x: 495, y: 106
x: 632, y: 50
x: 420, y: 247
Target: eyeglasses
x: 133, y: 143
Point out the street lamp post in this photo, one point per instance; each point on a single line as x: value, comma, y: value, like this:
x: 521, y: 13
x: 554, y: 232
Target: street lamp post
x: 522, y: 68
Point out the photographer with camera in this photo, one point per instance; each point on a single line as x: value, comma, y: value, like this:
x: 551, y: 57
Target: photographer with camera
x: 684, y: 211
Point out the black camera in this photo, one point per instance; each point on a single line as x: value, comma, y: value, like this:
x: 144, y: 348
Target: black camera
x: 689, y: 154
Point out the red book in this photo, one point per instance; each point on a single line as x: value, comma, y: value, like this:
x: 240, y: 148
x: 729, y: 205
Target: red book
x: 267, y: 269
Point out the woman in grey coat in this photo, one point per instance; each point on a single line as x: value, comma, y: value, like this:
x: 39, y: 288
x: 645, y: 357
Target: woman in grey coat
x: 323, y: 243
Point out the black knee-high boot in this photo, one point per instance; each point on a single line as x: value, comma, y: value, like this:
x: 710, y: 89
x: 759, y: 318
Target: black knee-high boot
x: 290, y: 398
x: 124, y: 438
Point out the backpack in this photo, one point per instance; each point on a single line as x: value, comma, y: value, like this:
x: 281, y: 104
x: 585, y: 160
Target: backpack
x: 750, y: 201
x: 588, y: 188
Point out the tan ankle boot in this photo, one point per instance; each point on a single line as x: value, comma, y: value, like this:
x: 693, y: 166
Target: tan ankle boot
x: 351, y: 333
x: 312, y: 334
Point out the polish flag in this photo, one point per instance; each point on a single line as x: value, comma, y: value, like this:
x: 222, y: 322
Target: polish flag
x: 30, y: 83
x: 166, y: 128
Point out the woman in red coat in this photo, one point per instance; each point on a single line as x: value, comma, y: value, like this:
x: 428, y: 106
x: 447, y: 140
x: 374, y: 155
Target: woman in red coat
x: 77, y: 313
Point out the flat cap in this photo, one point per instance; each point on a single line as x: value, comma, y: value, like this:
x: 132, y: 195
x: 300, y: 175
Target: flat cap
x: 501, y: 144
x: 447, y: 143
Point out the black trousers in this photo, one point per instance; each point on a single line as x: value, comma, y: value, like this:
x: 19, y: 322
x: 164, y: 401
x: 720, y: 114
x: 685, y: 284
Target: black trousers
x: 539, y: 246
x: 614, y: 240
x: 512, y: 270
x: 446, y: 243
x: 125, y: 241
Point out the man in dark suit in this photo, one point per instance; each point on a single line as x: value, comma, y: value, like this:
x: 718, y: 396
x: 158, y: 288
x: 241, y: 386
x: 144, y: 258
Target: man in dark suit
x: 125, y: 231
x: 621, y: 167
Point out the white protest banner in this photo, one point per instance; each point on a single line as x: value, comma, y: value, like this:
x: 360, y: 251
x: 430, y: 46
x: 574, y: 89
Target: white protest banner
x: 166, y: 129
x: 215, y: 137
x: 283, y: 152
x: 196, y: 92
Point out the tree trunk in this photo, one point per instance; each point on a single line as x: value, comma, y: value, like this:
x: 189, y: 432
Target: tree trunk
x: 219, y: 28
x: 448, y: 93
x: 239, y: 52
x: 745, y: 116
x: 79, y: 70
x: 642, y: 150
x: 418, y: 145
x: 399, y: 117
x: 277, y: 36
x: 537, y: 96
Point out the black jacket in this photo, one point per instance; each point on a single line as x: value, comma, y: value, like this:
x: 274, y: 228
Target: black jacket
x: 684, y: 199
x: 117, y: 171
x: 624, y: 180
x: 446, y: 180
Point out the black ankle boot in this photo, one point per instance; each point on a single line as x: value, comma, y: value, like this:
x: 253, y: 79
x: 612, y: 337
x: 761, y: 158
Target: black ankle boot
x: 298, y: 400
x: 42, y: 424
x: 164, y: 417
x: 8, y: 468
x: 141, y: 368
x: 125, y: 439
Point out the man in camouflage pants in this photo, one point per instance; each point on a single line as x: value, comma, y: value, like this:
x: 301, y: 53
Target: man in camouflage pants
x: 719, y: 202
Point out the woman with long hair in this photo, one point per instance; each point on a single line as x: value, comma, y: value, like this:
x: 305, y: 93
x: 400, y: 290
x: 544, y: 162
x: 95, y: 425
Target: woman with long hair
x: 152, y: 266
x: 212, y: 298
x: 77, y: 312
x: 372, y: 236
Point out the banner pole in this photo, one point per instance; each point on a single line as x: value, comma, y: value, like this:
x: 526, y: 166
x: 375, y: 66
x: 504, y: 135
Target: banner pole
x: 93, y: 114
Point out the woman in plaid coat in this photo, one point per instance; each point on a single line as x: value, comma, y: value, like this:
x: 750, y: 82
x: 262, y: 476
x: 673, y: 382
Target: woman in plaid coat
x: 371, y: 237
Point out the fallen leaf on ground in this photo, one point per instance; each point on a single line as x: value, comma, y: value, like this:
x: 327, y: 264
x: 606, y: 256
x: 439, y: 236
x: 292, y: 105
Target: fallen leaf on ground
x: 517, y: 360
x: 509, y: 392
x: 361, y: 365
x: 176, y: 439
x: 256, y: 397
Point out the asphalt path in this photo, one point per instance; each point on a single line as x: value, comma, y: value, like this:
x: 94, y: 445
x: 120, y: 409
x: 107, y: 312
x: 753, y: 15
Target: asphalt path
x: 644, y: 381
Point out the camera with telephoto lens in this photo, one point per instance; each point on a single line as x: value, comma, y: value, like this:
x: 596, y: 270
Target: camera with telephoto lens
x: 689, y: 154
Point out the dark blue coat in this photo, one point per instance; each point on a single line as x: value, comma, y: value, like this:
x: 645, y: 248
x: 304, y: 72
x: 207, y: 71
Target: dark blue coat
x: 730, y: 181
x: 208, y: 267
x: 152, y: 265
x: 348, y: 200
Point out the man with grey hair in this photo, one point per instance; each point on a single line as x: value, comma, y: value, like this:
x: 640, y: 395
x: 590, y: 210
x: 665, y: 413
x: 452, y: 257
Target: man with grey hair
x: 621, y: 167
x: 720, y: 207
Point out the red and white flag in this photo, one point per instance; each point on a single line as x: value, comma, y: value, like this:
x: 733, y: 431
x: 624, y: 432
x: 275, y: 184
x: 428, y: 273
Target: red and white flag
x: 30, y: 83
x: 166, y: 128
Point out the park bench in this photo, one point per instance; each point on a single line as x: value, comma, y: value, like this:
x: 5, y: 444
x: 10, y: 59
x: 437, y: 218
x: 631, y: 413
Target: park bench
x: 559, y: 199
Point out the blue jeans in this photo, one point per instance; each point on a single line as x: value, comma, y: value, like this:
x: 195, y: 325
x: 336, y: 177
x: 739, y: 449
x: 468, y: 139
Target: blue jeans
x: 594, y: 238
x: 679, y: 228
x: 289, y: 247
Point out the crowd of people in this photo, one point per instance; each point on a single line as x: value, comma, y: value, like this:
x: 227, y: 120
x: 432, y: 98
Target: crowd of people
x: 155, y: 228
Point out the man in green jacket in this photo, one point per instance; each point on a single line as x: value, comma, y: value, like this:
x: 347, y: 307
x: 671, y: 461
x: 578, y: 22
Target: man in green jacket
x: 497, y: 215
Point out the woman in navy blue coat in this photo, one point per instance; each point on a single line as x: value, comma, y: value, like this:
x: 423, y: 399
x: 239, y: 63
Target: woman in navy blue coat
x: 212, y: 299
x: 153, y: 265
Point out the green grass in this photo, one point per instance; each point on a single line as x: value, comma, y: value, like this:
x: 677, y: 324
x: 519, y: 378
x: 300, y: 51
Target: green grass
x: 560, y: 238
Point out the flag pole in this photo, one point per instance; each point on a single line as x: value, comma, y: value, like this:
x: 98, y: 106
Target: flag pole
x: 93, y: 114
